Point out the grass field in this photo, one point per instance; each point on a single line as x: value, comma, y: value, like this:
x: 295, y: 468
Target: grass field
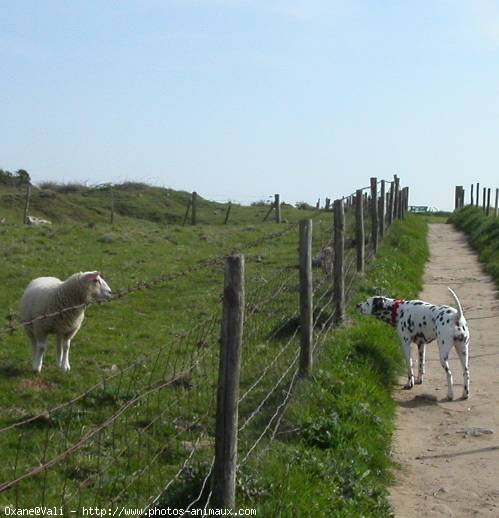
x: 335, y: 458
x: 483, y: 235
x: 156, y: 349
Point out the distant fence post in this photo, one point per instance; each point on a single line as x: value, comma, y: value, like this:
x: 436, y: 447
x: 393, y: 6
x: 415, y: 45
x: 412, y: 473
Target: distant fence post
x: 359, y: 231
x: 407, y: 200
x: 477, y: 194
x: 374, y: 212
x: 497, y: 200
x: 224, y: 486
x: 339, y: 270
x: 26, y: 202
x: 382, y: 210
x: 277, y: 203
x: 471, y: 191
x: 328, y: 203
x: 391, y: 203
x: 194, y: 208
x: 306, y: 294
x: 396, y: 193
x: 227, y: 213
x: 488, y: 201
x: 459, y: 197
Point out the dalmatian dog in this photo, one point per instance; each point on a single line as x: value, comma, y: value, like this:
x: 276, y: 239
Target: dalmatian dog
x: 421, y: 322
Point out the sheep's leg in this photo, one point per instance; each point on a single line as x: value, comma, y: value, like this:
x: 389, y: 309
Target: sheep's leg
x: 58, y: 358
x: 66, y: 343
x: 39, y: 348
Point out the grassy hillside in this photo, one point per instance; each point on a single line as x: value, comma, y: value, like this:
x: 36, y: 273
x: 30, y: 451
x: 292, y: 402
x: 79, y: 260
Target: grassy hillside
x: 65, y: 203
x: 483, y: 234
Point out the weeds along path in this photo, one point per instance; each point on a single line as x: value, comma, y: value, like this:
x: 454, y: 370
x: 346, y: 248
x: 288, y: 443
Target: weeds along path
x: 448, y: 452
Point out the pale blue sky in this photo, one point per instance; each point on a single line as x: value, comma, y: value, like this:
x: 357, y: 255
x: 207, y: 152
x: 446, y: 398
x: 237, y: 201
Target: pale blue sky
x: 244, y: 98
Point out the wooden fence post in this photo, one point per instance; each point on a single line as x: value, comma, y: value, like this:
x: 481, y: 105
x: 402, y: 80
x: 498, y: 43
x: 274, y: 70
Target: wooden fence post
x: 407, y: 200
x: 391, y: 203
x: 227, y: 213
x: 456, y: 197
x: 374, y: 212
x: 382, y: 211
x: 488, y: 201
x: 339, y: 253
x: 471, y: 191
x: 359, y: 231
x: 194, y: 208
x: 26, y: 202
x: 497, y: 200
x: 224, y: 486
x: 483, y: 197
x: 318, y: 204
x: 277, y: 203
x: 306, y: 300
x: 396, y: 197
x: 327, y: 205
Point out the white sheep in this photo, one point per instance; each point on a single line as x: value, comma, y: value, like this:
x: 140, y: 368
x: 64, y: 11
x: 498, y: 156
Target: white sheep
x: 47, y: 295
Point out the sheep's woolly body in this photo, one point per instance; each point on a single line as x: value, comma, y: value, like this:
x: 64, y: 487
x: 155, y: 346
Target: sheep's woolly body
x: 47, y: 295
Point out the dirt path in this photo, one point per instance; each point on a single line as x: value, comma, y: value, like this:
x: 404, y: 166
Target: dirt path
x: 444, y: 471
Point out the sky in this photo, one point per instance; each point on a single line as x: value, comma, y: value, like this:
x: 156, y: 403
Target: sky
x: 241, y: 99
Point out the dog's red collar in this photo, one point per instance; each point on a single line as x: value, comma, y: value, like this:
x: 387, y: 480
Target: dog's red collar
x: 395, y: 308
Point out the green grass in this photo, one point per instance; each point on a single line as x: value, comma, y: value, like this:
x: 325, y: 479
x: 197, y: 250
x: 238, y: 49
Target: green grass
x: 335, y: 459
x: 483, y: 235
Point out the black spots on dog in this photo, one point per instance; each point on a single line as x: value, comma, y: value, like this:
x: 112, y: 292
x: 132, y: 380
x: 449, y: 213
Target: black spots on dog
x: 401, y: 313
x: 433, y: 308
x: 448, y: 321
x: 449, y: 311
x: 418, y: 303
x: 378, y: 304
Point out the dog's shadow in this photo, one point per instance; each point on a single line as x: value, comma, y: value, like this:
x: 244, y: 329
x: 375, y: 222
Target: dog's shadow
x: 420, y: 400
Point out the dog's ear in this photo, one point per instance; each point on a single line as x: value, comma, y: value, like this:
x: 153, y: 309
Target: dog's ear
x: 378, y: 303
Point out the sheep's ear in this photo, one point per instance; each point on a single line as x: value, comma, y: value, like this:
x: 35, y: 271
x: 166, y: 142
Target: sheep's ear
x: 91, y: 276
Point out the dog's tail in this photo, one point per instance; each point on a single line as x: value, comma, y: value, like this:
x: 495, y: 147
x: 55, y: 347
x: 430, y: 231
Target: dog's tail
x: 459, y: 308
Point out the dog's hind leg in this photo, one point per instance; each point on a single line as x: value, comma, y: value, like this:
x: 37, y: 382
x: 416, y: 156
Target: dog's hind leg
x: 461, y: 347
x: 444, y: 361
x: 421, y: 364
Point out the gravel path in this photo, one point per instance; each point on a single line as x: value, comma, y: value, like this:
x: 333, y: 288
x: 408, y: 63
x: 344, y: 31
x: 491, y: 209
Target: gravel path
x: 448, y: 452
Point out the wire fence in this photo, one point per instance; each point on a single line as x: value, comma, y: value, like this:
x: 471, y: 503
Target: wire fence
x: 144, y: 435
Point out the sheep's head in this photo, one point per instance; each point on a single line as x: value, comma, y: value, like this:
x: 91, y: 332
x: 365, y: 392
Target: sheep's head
x: 97, y: 287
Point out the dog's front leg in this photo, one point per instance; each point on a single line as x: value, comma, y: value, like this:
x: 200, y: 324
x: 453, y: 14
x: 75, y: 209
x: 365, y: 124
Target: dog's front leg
x: 421, y: 366
x: 406, y: 345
